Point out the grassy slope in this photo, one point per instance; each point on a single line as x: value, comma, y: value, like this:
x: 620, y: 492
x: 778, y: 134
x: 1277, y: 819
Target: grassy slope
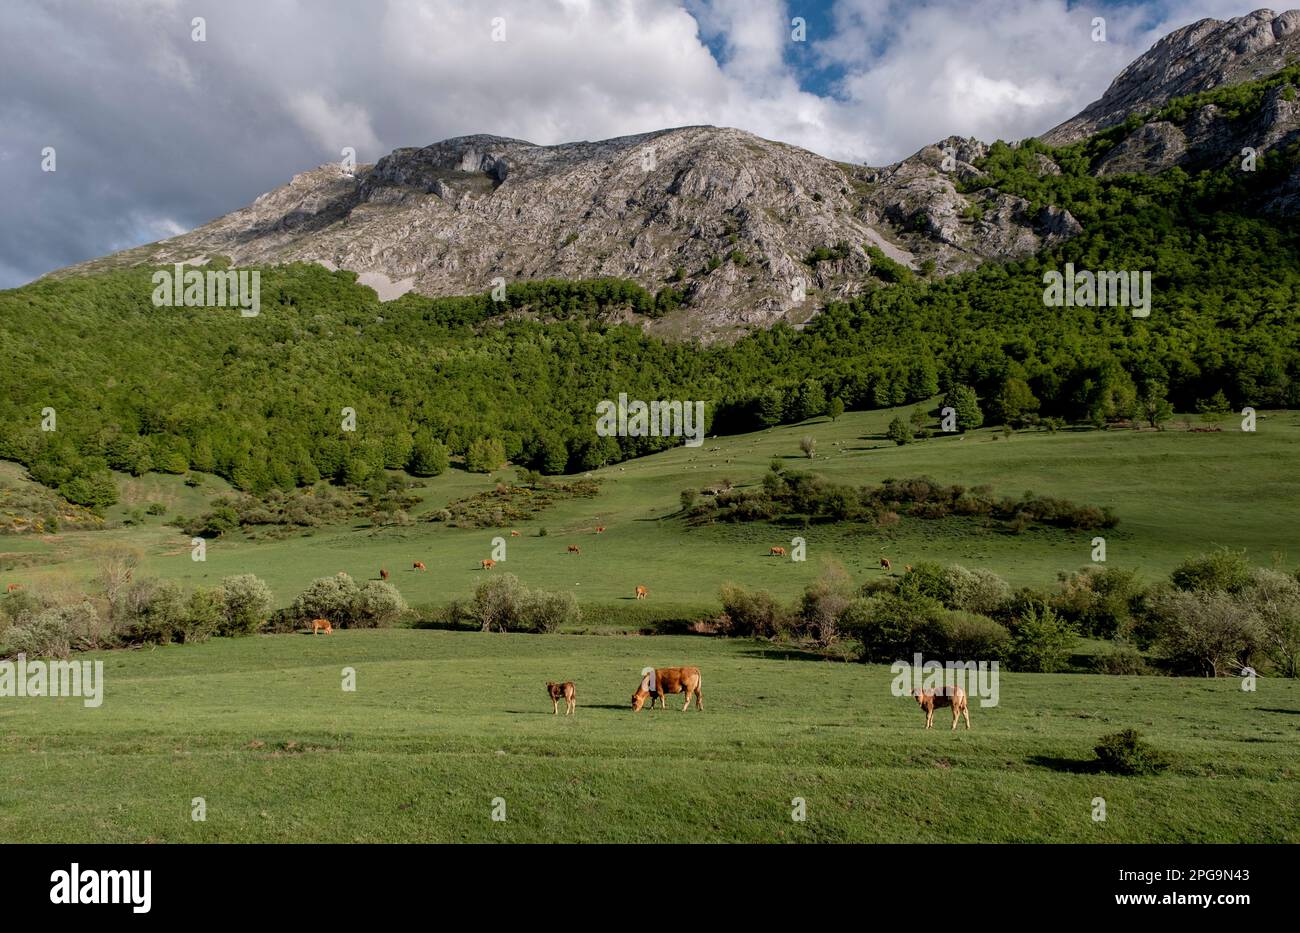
x: 1177, y: 494
x: 442, y: 722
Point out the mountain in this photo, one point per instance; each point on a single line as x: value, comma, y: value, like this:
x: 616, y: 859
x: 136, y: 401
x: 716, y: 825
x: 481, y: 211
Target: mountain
x: 737, y: 225
x: 732, y: 215
x: 1207, y: 54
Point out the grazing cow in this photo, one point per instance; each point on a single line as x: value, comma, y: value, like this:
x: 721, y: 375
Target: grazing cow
x: 642, y: 592
x: 953, y: 696
x: 574, y: 549
x: 776, y: 552
x: 514, y: 534
x: 487, y: 563
x: 317, y: 625
x: 886, y: 565
x: 655, y: 684
x: 383, y: 574
x: 599, y: 529
x: 419, y: 565
x: 907, y: 568
x: 13, y: 587
x: 564, y: 691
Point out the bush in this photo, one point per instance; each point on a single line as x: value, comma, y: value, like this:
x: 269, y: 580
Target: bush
x: 1125, y: 753
x: 375, y: 605
x: 1041, y: 642
x: 823, y: 603
x: 980, y: 591
x: 1124, y: 660
x: 927, y: 579
x: 890, y: 628
x: 968, y: 636
x: 56, y: 631
x: 1207, y: 632
x: 503, y: 604
x: 1100, y: 602
x: 246, y: 602
x: 1275, y: 599
x: 545, y: 613
x: 204, y: 614
x: 1223, y: 571
x: 752, y: 615
x: 150, y: 612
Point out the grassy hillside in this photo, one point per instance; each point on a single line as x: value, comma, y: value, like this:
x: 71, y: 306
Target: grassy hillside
x: 441, y: 723
x: 1177, y: 494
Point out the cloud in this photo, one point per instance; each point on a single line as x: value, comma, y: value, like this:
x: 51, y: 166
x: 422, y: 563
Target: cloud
x: 156, y: 132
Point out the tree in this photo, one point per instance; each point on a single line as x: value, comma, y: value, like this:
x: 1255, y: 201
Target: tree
x: 1014, y: 403
x: 1207, y: 632
x: 246, y: 602
x: 961, y: 399
x: 485, y: 455
x: 429, y: 457
x: 899, y: 431
x: 1153, y: 404
x: 836, y: 408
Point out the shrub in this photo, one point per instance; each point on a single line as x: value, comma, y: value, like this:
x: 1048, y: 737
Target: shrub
x: 1041, y: 642
x: 151, y: 612
x: 893, y: 627
x: 1101, y: 602
x: 823, y: 603
x: 980, y: 591
x: 545, y: 613
x: 204, y: 614
x: 968, y: 636
x: 927, y: 579
x: 246, y: 602
x: 327, y: 598
x: 57, y: 630
x: 375, y: 605
x: 1125, y: 753
x: 1275, y: 600
x: 899, y: 431
x: 1123, y: 660
x: 503, y: 604
x: 1208, y: 633
x: 752, y: 615
x: 1222, y: 571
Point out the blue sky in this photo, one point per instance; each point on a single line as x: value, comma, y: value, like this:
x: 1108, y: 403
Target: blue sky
x: 156, y: 133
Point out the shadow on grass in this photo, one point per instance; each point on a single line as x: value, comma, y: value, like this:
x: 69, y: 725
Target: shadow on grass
x: 1066, y: 765
x: 786, y: 654
x: 1274, y: 709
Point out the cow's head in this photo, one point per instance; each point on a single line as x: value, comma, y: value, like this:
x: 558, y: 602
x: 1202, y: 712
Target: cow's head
x: 638, y: 700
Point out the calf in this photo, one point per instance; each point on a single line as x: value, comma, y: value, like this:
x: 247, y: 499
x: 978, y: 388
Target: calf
x: 319, y: 625
x: 383, y: 574
x: 656, y: 683
x: 953, y: 696
x: 13, y: 587
x: 886, y: 565
x: 600, y: 529
x: 419, y: 565
x: 563, y: 691
x: 487, y: 563
x: 574, y: 549
x: 514, y: 534
x: 642, y: 592
x: 776, y: 552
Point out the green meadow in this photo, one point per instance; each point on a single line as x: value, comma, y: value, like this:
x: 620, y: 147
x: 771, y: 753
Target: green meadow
x: 442, y: 723
x: 1177, y: 494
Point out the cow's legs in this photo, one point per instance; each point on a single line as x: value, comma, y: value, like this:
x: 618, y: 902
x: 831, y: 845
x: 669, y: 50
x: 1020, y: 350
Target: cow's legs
x: 956, y: 714
x: 555, y: 706
x: 699, y: 699
x: 965, y: 711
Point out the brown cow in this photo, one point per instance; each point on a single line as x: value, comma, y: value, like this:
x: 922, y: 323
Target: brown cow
x: 599, y: 529
x: 487, y: 563
x: 563, y: 691
x: 383, y: 574
x: 574, y: 549
x: 953, y: 696
x: 13, y: 587
x: 317, y: 625
x: 419, y: 565
x: 907, y: 568
x: 776, y: 552
x: 666, y: 680
x: 642, y: 592
x: 514, y: 534
x: 886, y: 565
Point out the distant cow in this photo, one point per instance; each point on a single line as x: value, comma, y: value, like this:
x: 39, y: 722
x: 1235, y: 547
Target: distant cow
x: 487, y: 563
x: 419, y: 565
x: 642, y: 592
x: 564, y: 691
x: 953, y: 696
x: 886, y: 565
x: 776, y: 552
x: 907, y: 568
x: 655, y: 684
x: 13, y: 587
x: 383, y: 574
x: 514, y: 534
x: 599, y: 529
x: 574, y: 549
x: 318, y: 625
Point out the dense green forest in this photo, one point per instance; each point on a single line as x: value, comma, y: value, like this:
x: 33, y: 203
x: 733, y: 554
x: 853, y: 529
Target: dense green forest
x: 260, y: 400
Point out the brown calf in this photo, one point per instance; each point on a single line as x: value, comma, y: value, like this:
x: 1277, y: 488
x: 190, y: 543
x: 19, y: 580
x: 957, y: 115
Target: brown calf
x: 642, y: 592
x: 953, y: 696
x: 907, y: 568
x: 776, y: 552
x: 383, y: 574
x: 13, y: 587
x: 574, y: 549
x: 514, y: 534
x: 599, y: 529
x: 487, y: 563
x: 419, y: 565
x: 666, y: 680
x: 886, y: 565
x: 563, y: 691
x: 318, y: 625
